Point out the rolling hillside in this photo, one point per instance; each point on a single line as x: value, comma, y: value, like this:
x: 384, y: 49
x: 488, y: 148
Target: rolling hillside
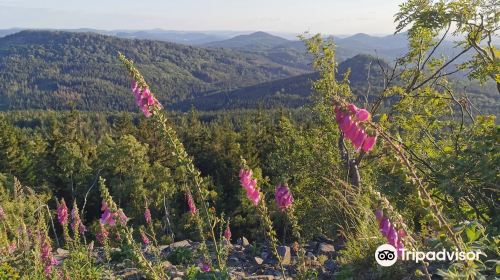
x: 296, y: 91
x: 254, y: 41
x: 289, y: 92
x: 62, y: 70
x: 58, y: 70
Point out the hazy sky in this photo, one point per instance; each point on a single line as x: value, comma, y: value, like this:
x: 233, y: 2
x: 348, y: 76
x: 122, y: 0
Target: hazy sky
x: 297, y: 16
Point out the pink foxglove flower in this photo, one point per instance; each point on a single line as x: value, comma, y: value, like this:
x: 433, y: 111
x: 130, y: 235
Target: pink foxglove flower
x: 250, y: 186
x: 82, y: 228
x: 122, y: 217
x: 369, y: 143
x: 385, y: 226
x: 227, y: 233
x: 352, y: 133
x: 346, y: 123
x: 191, y: 205
x: 12, y: 247
x: 350, y: 121
x: 107, y: 217
x: 283, y: 196
x: 352, y: 108
x: 147, y: 216
x: 145, y: 238
x: 360, y: 138
x: 144, y: 99
x: 77, y: 224
x: 2, y: 213
x: 102, y: 235
x: 62, y: 213
x: 392, y: 236
x: 390, y: 232
x: 204, y: 266
x: 254, y: 196
x: 48, y: 259
x: 362, y: 115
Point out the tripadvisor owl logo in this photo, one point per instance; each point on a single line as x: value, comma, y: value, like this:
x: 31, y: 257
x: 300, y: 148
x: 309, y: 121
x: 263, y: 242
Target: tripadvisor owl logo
x: 386, y: 255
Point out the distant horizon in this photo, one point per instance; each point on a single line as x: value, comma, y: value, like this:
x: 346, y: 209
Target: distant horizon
x: 228, y: 32
x: 277, y: 16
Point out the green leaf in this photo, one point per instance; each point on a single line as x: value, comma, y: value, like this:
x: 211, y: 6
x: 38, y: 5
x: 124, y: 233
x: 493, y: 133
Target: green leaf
x: 472, y: 235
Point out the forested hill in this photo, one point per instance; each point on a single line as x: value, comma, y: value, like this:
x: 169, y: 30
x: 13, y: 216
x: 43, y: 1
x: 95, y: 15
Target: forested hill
x: 291, y: 92
x: 63, y: 70
x: 59, y: 70
x: 296, y: 91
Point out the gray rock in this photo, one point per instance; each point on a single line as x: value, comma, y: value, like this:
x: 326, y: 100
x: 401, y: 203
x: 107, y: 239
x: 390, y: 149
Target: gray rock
x: 238, y: 247
x: 285, y: 254
x: 312, y: 245
x: 178, y: 244
x: 61, y: 254
x: 243, y: 241
x: 259, y: 277
x: 163, y: 247
x: 167, y: 264
x: 239, y: 255
x: 233, y: 261
x: 311, y: 258
x: 330, y: 265
x: 165, y: 250
x: 271, y: 271
x: 130, y: 274
x: 258, y: 260
x: 264, y: 255
x: 326, y: 249
x: 179, y: 274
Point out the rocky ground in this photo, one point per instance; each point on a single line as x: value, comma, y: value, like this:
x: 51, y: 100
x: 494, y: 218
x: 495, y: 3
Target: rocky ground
x: 245, y: 260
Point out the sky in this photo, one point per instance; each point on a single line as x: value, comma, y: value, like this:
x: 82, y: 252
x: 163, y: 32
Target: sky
x: 293, y: 16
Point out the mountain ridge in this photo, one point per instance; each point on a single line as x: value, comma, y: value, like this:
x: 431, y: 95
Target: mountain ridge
x: 82, y: 68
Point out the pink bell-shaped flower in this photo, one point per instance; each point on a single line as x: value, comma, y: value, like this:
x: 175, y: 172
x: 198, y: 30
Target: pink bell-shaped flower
x: 369, y: 143
x: 360, y: 138
x: 227, y: 233
x: 250, y: 186
x: 385, y: 226
x: 362, y: 115
x: 191, y: 204
x: 352, y: 108
x: 283, y: 196
x: 254, y: 196
x: 62, y: 213
x: 122, y: 218
x: 204, y: 266
x: 144, y: 238
x: 392, y: 236
x: 346, y: 123
x: 352, y: 132
x: 147, y: 216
